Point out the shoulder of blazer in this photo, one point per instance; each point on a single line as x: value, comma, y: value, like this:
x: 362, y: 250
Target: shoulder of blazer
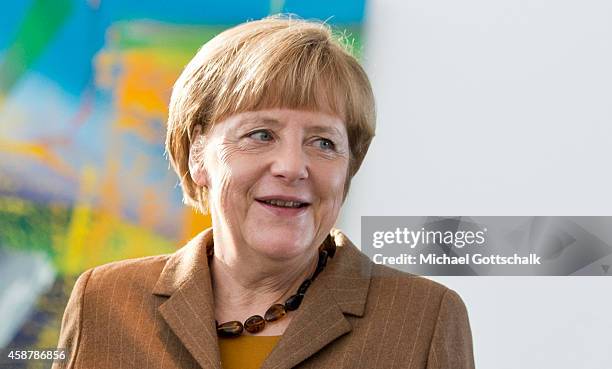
x: 421, y: 288
x: 96, y: 292
x: 441, y: 314
x: 136, y: 273
x: 383, y: 272
x: 412, y: 290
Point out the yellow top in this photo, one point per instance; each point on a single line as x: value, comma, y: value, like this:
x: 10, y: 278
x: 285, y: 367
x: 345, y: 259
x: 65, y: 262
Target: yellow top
x: 245, y: 352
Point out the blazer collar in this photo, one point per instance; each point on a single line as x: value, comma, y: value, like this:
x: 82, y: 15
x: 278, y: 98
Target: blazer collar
x: 189, y: 310
x: 340, y: 289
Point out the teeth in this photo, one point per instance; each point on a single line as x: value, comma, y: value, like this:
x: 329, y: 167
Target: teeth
x: 285, y: 204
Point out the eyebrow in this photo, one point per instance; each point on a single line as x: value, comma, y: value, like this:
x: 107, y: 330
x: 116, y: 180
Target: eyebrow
x: 258, y: 120
x: 325, y: 129
x: 275, y: 122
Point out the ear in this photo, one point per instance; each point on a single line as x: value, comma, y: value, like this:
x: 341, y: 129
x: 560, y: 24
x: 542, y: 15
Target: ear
x: 197, y: 170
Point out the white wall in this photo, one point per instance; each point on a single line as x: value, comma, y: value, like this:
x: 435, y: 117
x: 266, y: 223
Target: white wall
x: 498, y: 108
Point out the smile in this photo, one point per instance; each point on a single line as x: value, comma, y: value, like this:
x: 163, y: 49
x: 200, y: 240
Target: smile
x: 284, y: 204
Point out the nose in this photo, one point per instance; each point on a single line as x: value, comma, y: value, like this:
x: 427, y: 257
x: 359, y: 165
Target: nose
x: 290, y: 163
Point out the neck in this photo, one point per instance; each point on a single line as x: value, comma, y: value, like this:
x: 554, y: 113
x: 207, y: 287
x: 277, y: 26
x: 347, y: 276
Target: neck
x: 246, y: 283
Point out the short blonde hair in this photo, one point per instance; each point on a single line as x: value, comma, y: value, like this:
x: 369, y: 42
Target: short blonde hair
x: 275, y: 62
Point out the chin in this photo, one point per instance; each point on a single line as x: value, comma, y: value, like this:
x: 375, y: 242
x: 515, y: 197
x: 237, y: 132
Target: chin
x: 282, y: 244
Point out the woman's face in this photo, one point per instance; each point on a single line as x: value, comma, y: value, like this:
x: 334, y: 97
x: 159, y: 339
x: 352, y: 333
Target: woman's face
x: 275, y: 178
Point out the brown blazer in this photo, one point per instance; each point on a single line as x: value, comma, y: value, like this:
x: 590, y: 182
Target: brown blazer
x: 157, y: 312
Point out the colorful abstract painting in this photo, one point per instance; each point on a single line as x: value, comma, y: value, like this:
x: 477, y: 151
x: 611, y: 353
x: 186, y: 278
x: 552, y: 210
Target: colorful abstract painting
x: 84, y: 88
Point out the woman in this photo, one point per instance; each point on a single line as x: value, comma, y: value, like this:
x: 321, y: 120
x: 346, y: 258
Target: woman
x: 268, y: 124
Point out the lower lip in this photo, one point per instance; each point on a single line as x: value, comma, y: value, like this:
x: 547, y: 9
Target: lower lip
x: 284, y: 212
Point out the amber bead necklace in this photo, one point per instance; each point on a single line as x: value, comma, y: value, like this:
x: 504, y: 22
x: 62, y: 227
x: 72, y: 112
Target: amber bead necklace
x: 257, y: 323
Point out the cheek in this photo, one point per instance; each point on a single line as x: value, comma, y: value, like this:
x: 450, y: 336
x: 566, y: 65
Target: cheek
x: 237, y: 175
x: 332, y: 179
x: 221, y: 174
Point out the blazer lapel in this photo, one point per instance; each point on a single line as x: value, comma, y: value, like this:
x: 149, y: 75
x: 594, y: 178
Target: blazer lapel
x: 189, y: 311
x: 340, y: 289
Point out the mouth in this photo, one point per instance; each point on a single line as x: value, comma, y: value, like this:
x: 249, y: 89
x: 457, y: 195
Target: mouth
x: 284, y: 206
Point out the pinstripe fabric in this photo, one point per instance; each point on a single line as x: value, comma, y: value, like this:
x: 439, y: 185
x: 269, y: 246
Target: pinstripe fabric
x: 157, y: 312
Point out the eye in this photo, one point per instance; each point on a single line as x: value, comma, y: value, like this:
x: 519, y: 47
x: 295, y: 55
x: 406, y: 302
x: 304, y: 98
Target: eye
x: 261, y: 135
x: 326, y: 144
